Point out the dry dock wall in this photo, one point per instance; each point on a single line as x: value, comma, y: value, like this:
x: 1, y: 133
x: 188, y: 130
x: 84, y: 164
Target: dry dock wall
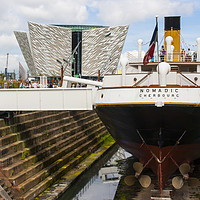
x: 38, y: 148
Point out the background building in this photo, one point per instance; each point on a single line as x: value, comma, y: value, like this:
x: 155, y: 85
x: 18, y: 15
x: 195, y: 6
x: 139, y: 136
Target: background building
x: 76, y: 43
x: 81, y: 50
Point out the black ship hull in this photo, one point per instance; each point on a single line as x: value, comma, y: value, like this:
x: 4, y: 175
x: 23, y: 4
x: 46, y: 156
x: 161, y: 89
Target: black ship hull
x: 162, y: 138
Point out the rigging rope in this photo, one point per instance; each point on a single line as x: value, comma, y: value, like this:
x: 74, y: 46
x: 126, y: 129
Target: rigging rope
x: 146, y: 43
x: 160, y: 42
x: 185, y: 43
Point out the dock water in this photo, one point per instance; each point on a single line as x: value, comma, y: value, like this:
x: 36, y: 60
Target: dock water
x: 38, y: 148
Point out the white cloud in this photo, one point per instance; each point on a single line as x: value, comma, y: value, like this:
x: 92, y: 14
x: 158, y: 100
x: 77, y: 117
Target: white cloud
x: 56, y: 11
x: 8, y: 41
x: 128, y: 11
x: 14, y: 16
x: 9, y: 21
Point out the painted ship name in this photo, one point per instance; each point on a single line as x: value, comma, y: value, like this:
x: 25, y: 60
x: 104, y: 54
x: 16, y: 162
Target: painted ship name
x: 159, y: 92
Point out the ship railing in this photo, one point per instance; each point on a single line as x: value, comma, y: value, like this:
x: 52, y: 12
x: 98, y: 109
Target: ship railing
x: 142, y: 79
x: 178, y: 57
x: 182, y: 76
x: 188, y: 79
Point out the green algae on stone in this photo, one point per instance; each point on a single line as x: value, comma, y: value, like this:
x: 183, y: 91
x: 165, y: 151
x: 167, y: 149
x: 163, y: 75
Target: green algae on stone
x: 24, y: 155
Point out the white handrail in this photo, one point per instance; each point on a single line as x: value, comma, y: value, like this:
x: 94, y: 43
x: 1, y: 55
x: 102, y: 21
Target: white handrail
x: 83, y: 81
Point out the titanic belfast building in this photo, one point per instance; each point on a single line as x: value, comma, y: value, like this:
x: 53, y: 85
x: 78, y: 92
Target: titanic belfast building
x: 82, y: 50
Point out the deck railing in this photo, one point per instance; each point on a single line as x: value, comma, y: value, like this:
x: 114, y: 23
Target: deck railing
x: 178, y: 57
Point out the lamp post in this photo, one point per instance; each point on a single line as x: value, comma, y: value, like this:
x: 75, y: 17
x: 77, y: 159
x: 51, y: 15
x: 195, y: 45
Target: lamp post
x: 61, y: 72
x: 6, y: 68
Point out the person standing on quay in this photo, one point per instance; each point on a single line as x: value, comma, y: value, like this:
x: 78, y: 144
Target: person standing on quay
x: 22, y: 84
x: 11, y: 84
x: 34, y: 85
x: 5, y: 84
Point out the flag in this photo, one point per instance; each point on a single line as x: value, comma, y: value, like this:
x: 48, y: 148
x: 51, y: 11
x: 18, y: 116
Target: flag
x: 150, y: 52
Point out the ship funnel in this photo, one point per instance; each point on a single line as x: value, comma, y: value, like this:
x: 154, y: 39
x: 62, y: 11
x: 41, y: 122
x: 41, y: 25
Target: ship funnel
x: 129, y: 180
x: 184, y: 169
x: 172, y: 29
x: 163, y: 69
x: 145, y: 181
x: 138, y: 167
x: 177, y: 182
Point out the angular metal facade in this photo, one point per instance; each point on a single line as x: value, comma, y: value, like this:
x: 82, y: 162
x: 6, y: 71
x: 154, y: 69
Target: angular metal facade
x: 22, y: 72
x: 45, y: 44
x: 101, y: 49
x: 50, y: 43
x: 23, y: 41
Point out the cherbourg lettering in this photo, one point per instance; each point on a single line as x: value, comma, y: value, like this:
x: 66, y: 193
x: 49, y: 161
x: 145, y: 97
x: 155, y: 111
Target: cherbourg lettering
x: 159, y: 92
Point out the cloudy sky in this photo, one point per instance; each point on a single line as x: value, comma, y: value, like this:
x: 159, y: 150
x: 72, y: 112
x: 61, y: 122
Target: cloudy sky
x: 139, y: 14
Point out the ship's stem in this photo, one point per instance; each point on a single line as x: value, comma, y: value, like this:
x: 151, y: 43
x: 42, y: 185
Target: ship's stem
x: 160, y: 171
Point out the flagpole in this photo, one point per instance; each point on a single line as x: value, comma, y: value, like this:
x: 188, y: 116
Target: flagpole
x: 157, y: 39
x: 151, y: 51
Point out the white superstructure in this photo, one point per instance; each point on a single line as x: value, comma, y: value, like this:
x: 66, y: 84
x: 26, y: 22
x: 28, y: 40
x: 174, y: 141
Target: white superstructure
x: 136, y: 88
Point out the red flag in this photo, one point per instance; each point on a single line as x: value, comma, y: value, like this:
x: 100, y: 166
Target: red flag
x: 150, y: 52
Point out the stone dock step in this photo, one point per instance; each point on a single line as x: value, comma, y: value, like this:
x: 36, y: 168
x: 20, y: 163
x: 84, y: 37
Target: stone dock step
x: 37, y: 148
x: 5, y: 191
x: 40, y: 141
x: 40, y: 129
x: 56, y: 190
x: 41, y: 155
x: 52, y: 164
x: 62, y: 171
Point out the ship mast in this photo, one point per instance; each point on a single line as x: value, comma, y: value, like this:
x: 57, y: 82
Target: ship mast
x: 157, y: 39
